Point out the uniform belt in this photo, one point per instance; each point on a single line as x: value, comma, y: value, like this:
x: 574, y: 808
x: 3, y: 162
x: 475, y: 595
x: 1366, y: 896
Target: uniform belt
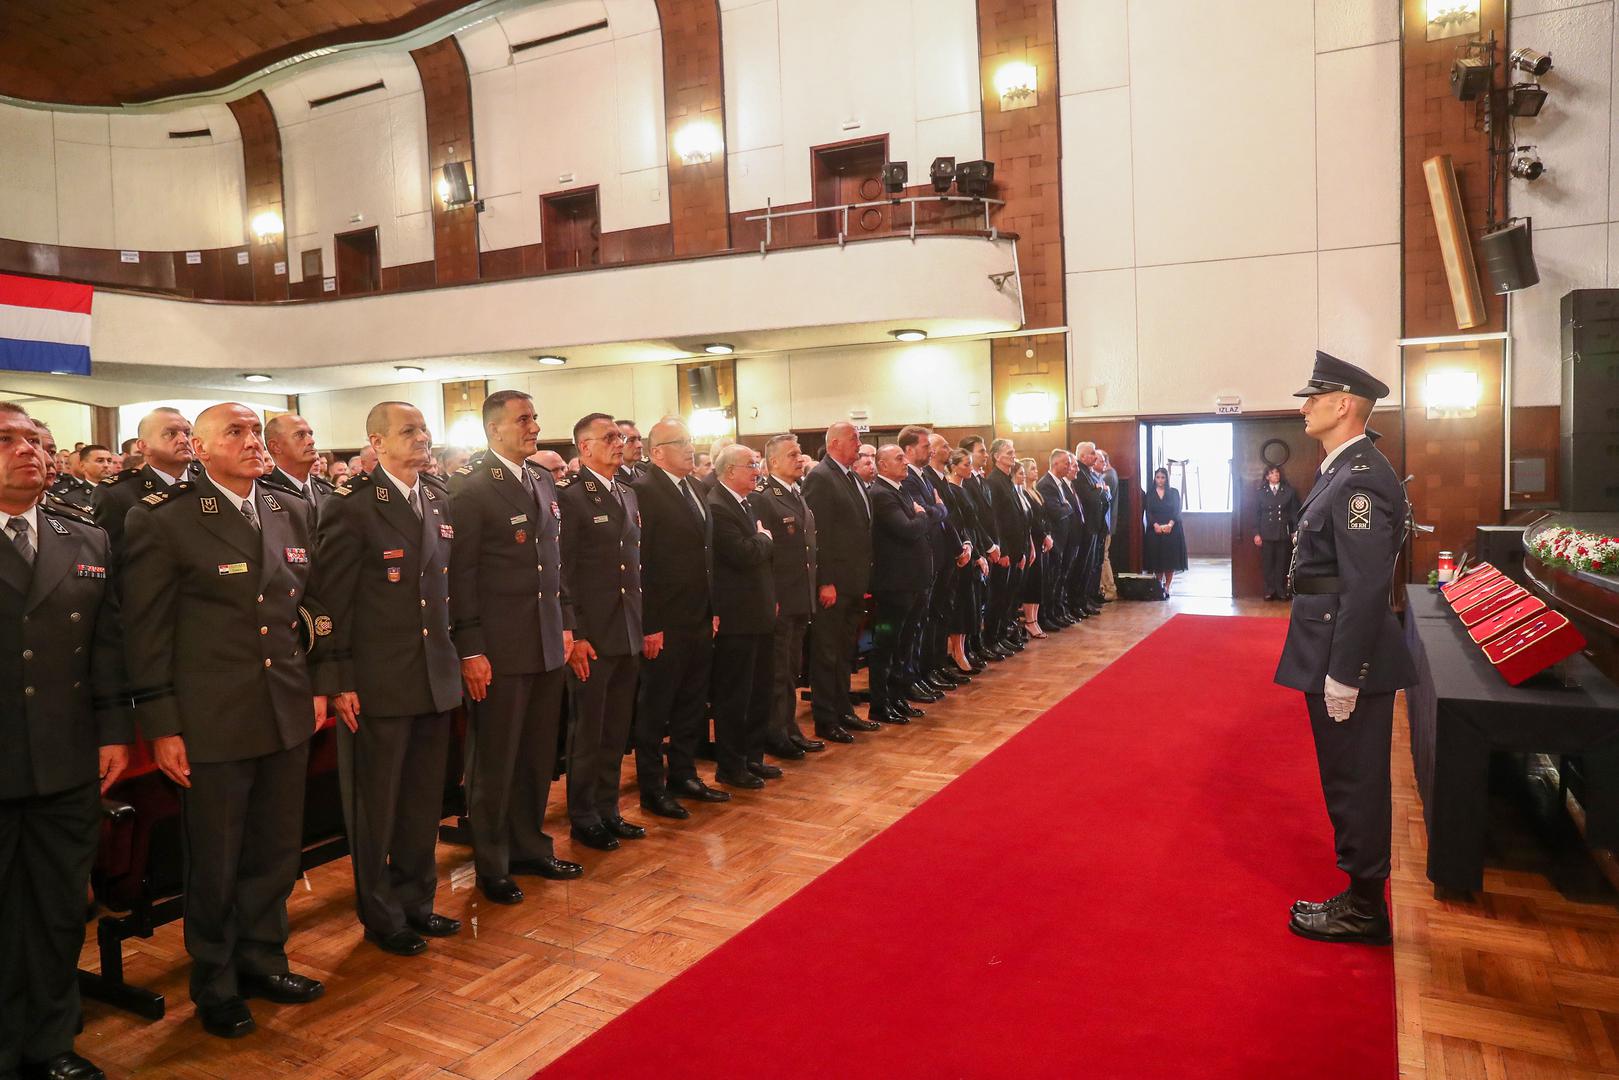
x: 1318, y: 586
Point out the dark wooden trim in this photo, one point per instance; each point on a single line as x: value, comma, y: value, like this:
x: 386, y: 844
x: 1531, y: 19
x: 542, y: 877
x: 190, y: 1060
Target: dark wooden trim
x: 341, y: 95
x: 552, y: 39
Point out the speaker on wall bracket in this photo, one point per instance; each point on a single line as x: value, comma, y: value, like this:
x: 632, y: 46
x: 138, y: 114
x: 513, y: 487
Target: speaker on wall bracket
x: 1509, y: 256
x: 1451, y: 224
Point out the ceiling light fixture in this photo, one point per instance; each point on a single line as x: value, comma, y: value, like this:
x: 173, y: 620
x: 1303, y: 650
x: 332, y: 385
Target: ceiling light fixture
x: 909, y: 335
x: 718, y: 348
x: 256, y: 376
x: 409, y: 369
x: 551, y: 361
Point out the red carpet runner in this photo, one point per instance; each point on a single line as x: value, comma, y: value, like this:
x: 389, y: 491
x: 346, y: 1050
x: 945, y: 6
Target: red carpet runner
x: 1103, y: 896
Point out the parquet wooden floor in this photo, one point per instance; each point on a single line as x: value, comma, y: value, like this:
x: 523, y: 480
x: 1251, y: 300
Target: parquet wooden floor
x: 1523, y: 986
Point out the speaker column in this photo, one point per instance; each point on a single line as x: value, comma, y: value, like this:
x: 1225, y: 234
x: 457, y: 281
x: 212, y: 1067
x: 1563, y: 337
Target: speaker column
x: 1589, y: 450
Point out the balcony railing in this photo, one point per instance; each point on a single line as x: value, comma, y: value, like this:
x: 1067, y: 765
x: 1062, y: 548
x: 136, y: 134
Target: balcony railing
x: 770, y: 216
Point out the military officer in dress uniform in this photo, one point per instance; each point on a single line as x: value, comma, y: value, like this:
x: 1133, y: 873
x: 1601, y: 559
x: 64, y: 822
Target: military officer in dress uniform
x: 513, y: 637
x: 1278, y: 516
x: 165, y: 446
x: 216, y: 573
x: 783, y: 512
x: 382, y: 564
x: 635, y: 464
x: 92, y: 464
x: 601, y: 597
x: 291, y: 443
x: 65, y: 726
x: 1344, y: 648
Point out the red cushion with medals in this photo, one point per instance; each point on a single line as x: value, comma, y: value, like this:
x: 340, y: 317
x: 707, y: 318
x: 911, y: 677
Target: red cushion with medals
x: 1493, y: 587
x: 1506, y: 619
x: 1477, y: 579
x: 1498, y: 602
x: 1534, y: 645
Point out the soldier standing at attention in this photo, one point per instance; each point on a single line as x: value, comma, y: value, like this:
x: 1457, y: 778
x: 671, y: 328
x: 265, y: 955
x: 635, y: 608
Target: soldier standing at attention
x: 165, y: 447
x: 64, y: 722
x: 505, y: 599
x: 1344, y: 649
x: 601, y: 585
x: 787, y: 517
x: 382, y: 563
x: 215, y: 578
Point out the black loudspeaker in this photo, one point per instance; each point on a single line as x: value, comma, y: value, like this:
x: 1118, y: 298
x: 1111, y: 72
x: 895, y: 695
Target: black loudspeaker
x: 1588, y: 470
x: 455, y: 187
x: 703, y: 386
x: 1590, y: 393
x: 1502, y: 547
x: 1138, y: 587
x: 1588, y: 459
x: 1509, y: 256
x: 1590, y: 305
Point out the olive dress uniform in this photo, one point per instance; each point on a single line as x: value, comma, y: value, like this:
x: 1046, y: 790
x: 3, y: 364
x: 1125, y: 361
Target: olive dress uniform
x: 62, y: 695
x: 111, y: 503
x: 1350, y: 532
x: 506, y: 605
x: 220, y: 659
x: 77, y: 493
x: 1278, y: 514
x: 601, y: 599
x: 314, y: 493
x: 782, y: 509
x: 382, y: 562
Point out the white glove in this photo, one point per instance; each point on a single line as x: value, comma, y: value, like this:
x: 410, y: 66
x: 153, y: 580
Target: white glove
x: 1340, y: 699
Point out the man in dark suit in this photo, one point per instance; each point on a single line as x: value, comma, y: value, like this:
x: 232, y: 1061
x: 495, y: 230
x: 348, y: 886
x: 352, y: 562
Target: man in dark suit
x: 93, y: 464
x: 781, y: 509
x: 216, y: 573
x: 677, y: 627
x: 382, y: 562
x: 601, y: 598
x: 900, y: 576
x: 512, y: 635
x: 1063, y: 516
x: 979, y: 644
x: 64, y: 721
x: 1085, y: 579
x: 1344, y: 649
x: 1012, y: 530
x: 913, y: 444
x: 952, y: 550
x: 842, y: 512
x: 291, y: 442
x: 635, y: 464
x: 165, y: 446
x: 745, y: 604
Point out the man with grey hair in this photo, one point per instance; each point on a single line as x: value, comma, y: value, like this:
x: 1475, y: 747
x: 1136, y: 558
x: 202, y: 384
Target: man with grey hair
x: 865, y: 465
x: 291, y: 443
x: 551, y: 462
x: 1063, y: 516
x: 780, y: 505
x: 1084, y: 578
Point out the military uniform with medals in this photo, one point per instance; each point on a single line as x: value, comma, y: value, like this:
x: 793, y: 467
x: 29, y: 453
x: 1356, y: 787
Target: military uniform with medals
x: 75, y: 492
x: 790, y: 521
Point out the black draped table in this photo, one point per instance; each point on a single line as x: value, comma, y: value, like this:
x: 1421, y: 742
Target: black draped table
x: 1461, y: 709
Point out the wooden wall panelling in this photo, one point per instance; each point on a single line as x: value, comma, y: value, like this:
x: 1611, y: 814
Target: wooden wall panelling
x: 261, y: 164
x: 694, y: 89
x: 1122, y: 441
x: 1535, y: 440
x: 1012, y: 371
x: 447, y: 100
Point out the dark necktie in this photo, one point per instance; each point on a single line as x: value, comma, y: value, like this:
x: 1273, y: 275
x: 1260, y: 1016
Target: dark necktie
x: 691, y: 500
x: 18, y: 527
x: 250, y: 514
x: 414, y: 504
x: 854, y: 482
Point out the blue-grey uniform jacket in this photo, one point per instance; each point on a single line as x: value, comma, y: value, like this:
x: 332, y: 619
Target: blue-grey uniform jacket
x: 1350, y: 528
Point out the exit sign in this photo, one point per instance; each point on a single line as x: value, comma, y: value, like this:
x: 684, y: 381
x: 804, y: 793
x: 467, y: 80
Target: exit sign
x: 1227, y: 406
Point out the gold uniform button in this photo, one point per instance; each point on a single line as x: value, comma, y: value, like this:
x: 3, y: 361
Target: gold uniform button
x: 263, y: 630
x: 28, y: 654
x: 622, y: 590
x: 28, y: 691
x: 261, y: 598
x: 292, y: 592
x: 424, y: 631
x: 73, y: 617
x: 424, y: 603
x: 267, y: 662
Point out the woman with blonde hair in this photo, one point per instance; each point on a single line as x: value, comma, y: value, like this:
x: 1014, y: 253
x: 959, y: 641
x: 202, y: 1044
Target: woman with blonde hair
x: 1024, y: 475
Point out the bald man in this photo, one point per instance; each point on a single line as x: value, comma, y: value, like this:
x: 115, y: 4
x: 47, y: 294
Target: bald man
x: 291, y: 443
x: 164, y: 441
x: 551, y: 462
x: 216, y: 576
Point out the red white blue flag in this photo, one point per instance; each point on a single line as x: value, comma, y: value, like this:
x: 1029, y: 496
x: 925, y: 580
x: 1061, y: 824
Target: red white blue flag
x: 44, y: 325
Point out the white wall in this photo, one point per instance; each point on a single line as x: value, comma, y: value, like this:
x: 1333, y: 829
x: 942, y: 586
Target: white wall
x: 589, y: 107
x: 364, y: 156
x: 118, y: 181
x: 803, y: 73
x: 1575, y: 203
x: 945, y: 383
x: 1216, y: 234
x: 338, y: 416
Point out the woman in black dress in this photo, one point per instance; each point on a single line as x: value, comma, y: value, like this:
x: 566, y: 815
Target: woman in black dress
x: 1024, y: 474
x: 1163, y: 547
x: 970, y: 579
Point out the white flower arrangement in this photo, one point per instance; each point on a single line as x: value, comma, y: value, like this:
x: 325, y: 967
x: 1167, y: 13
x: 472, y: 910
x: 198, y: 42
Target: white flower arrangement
x: 1577, y: 550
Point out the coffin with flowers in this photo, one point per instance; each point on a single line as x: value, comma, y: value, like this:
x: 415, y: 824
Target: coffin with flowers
x: 1572, y: 559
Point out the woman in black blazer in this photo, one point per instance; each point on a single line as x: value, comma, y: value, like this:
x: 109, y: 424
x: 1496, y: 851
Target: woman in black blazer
x: 1163, y: 547
x: 1024, y: 475
x: 970, y: 579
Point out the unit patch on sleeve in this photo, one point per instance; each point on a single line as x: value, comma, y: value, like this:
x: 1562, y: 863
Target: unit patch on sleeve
x: 1360, y: 512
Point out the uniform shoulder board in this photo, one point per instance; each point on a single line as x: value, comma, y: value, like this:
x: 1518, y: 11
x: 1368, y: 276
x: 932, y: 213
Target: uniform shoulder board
x: 55, y: 506
x: 161, y: 498
x: 352, y: 484
x: 565, y: 481
x: 111, y: 480
x: 125, y: 476
x: 440, y: 482
x: 465, y: 470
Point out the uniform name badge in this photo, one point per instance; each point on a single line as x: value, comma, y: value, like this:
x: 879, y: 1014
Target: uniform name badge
x: 601, y: 519
x: 394, y: 553
x: 299, y: 556
x: 519, y: 519
x: 226, y: 569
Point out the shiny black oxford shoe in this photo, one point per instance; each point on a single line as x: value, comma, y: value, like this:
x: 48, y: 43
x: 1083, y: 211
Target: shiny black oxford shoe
x: 1354, y: 921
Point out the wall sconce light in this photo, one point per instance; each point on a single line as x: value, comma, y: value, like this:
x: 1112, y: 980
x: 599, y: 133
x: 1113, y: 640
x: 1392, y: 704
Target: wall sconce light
x: 455, y: 185
x: 1030, y: 410
x: 709, y: 424
x: 1015, y: 83
x: 466, y: 430
x: 1452, y: 394
x: 698, y: 142
x: 1452, y: 18
x: 267, y: 226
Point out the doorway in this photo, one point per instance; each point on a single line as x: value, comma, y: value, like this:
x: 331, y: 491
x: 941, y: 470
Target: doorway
x: 359, y: 262
x: 1198, y: 457
x: 846, y: 173
x: 571, y: 229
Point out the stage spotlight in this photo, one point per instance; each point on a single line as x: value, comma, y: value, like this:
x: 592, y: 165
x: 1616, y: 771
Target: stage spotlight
x: 943, y: 174
x: 975, y: 177
x: 895, y: 175
x: 1526, y: 164
x: 1530, y: 61
x: 1525, y: 99
x: 1469, y: 78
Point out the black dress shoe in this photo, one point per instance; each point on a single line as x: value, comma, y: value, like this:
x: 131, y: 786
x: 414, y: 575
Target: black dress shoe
x: 283, y: 988
x: 68, y: 1066
x: 855, y: 723
x: 596, y: 836
x: 931, y: 681
x: 911, y: 711
x: 1092, y: 611
x: 922, y: 695
x: 549, y: 867
x: 809, y: 746
x: 833, y: 734
x: 746, y: 780
x: 400, y: 942
x: 435, y: 925
x: 763, y: 771
x: 785, y: 750
x: 227, y: 1020
x: 1355, y: 921
x: 950, y: 679
x: 889, y: 716
x: 500, y: 890
x: 696, y: 789
x: 625, y: 830
x: 663, y: 804
x: 1316, y: 907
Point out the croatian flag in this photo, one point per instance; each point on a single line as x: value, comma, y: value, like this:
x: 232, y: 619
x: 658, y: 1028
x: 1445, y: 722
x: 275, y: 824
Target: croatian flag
x: 44, y: 325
